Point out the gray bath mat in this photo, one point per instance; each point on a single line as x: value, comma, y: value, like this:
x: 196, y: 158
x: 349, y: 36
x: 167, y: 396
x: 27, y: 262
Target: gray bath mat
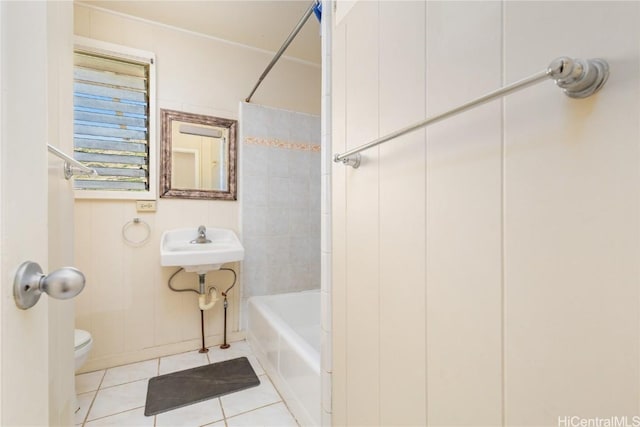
x: 178, y: 389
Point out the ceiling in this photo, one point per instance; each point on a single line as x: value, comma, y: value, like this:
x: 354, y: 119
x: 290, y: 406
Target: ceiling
x: 262, y: 24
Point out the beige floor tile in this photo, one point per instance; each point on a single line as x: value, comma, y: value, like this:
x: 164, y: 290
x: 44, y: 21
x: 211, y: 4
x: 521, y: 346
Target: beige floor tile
x: 182, y: 361
x: 119, y: 398
x: 122, y: 393
x: 89, y: 381
x: 133, y: 418
x: 193, y: 415
x: 128, y: 373
x: 84, y: 400
x: 276, y: 415
x: 250, y: 399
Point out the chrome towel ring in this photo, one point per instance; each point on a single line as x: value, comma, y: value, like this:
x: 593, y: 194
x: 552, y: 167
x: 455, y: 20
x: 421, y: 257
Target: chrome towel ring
x: 136, y: 221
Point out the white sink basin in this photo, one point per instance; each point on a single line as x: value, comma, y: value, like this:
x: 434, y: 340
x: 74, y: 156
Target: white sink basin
x: 176, y: 249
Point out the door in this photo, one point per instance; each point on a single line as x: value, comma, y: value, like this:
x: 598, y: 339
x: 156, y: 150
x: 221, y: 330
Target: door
x: 26, y: 368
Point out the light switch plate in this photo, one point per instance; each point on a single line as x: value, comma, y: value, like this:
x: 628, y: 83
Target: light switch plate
x: 146, y: 205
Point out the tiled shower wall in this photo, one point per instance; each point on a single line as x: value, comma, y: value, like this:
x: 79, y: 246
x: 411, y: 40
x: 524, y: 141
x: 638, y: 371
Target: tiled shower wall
x: 280, y: 197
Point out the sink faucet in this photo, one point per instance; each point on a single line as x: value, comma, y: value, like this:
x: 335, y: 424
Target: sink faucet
x: 202, y: 235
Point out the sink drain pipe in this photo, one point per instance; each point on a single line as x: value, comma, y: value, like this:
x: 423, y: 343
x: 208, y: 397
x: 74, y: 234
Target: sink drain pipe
x: 202, y: 293
x: 202, y: 296
x: 201, y: 278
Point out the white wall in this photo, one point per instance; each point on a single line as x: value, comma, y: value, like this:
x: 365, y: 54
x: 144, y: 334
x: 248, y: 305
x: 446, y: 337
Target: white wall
x: 127, y: 306
x: 485, y: 270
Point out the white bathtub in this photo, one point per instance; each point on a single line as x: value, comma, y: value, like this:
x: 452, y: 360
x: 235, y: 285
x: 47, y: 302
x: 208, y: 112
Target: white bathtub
x: 284, y: 332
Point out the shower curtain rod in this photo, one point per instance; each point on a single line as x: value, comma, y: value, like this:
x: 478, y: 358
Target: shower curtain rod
x: 284, y: 47
x: 576, y: 77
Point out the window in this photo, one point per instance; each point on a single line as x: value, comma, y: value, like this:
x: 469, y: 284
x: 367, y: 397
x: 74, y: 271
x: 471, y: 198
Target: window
x: 113, y: 103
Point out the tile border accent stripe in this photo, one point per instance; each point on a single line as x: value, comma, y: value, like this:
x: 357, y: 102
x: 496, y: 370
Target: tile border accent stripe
x: 276, y: 143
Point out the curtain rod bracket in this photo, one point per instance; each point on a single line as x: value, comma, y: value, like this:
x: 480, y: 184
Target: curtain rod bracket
x: 352, y: 160
x: 71, y: 166
x: 579, y: 78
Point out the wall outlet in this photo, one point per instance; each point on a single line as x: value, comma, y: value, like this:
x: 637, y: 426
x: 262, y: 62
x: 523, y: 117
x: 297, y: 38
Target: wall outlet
x: 146, y: 205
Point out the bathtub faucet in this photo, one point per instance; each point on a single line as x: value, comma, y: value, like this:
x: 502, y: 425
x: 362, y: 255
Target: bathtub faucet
x: 202, y: 235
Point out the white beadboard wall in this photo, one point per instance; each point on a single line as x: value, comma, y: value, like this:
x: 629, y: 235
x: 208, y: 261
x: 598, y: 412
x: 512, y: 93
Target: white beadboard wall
x: 485, y: 270
x: 126, y: 304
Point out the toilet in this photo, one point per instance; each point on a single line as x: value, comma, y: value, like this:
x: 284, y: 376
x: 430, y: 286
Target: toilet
x: 82, y: 343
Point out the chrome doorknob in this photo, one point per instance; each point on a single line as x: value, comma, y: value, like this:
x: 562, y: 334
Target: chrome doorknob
x: 30, y: 282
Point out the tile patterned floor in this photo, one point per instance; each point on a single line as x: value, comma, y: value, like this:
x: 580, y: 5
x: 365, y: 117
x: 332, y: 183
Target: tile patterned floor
x: 116, y: 396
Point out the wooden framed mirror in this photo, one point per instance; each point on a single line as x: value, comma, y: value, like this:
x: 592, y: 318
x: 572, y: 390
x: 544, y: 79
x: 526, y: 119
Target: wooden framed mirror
x: 198, y: 156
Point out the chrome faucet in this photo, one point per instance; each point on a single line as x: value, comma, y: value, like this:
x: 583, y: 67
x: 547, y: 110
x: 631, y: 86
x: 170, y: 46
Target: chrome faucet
x: 202, y: 235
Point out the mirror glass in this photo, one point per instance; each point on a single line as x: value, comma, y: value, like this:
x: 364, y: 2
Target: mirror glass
x: 198, y: 156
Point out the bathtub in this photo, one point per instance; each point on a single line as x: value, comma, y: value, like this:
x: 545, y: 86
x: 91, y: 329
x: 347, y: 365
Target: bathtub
x: 284, y: 332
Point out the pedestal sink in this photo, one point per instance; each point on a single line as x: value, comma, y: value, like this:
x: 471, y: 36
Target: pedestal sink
x: 179, y: 248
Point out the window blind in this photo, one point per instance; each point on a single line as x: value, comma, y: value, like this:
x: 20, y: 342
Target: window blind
x: 111, y: 119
